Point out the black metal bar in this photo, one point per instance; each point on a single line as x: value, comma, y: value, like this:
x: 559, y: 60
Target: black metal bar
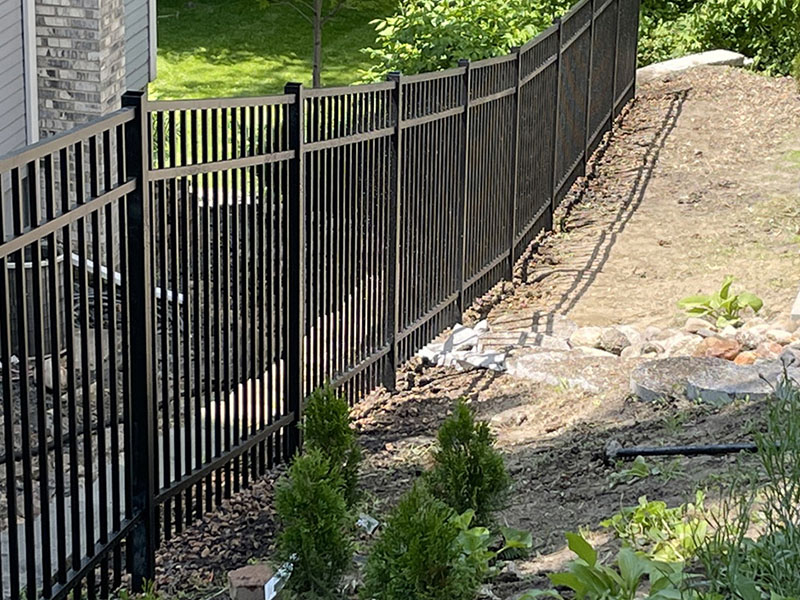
x: 142, y: 539
x: 464, y: 181
x: 589, y: 70
x: 295, y: 261
x: 617, y: 453
x: 556, y: 122
x: 514, y: 200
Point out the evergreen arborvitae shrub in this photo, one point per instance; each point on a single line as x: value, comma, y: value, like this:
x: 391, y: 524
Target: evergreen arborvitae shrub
x: 327, y: 429
x: 418, y: 556
x: 316, y: 524
x: 468, y: 472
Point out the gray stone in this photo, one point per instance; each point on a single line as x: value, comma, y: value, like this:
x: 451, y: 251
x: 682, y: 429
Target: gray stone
x: 554, y: 325
x: 633, y: 335
x: 546, y: 342
x: 586, y: 352
x: 796, y: 308
x: 613, y: 340
x: 247, y: 583
x: 631, y: 351
x: 676, y: 65
x: 586, y: 336
x: 706, y: 333
x: 750, y: 338
x: 726, y: 381
x: 695, y: 324
x: 667, y: 377
x: 652, y: 333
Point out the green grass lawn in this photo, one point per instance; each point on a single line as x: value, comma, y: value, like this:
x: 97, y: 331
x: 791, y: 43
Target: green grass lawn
x: 216, y: 48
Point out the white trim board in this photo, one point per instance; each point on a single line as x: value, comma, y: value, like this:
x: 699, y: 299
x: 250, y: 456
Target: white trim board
x: 30, y: 71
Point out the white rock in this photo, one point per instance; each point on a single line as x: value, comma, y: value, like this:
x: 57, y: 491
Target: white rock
x: 681, y: 344
x: 652, y: 333
x: 634, y: 351
x: 586, y: 336
x: 753, y: 322
x: 586, y: 351
x: 729, y: 331
x: 695, y: 324
x: 780, y: 336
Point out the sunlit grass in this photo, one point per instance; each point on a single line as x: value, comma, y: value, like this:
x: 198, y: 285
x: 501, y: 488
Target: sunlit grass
x: 216, y: 48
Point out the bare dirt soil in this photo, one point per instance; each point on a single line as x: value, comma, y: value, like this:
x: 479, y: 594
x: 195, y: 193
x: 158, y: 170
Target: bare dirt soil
x: 699, y: 180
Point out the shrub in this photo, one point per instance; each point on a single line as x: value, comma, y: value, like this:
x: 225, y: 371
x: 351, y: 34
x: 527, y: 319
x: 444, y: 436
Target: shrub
x: 766, y: 30
x: 327, y: 429
x: 427, y: 35
x: 796, y: 71
x: 310, y: 504
x: 418, y: 555
x: 468, y: 472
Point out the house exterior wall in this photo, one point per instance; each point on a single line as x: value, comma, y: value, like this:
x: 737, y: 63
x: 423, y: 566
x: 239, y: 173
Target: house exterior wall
x: 140, y: 46
x: 81, y: 61
x: 13, y: 113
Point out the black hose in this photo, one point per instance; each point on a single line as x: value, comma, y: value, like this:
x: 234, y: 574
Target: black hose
x: 617, y: 452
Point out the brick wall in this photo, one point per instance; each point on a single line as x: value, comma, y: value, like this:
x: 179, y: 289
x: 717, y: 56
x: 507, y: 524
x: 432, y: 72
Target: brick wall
x: 81, y: 61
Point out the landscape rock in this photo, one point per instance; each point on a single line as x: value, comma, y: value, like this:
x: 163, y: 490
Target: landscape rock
x: 630, y: 332
x: 613, y: 340
x: 769, y: 350
x: 729, y: 331
x: 717, y: 347
x: 748, y: 357
x: 651, y: 333
x: 780, y: 336
x: 586, y: 336
x: 651, y: 347
x: 587, y: 352
x: 707, y: 333
x: 750, y: 338
x: 695, y: 324
x: 247, y: 583
x: 681, y: 344
x: 790, y: 357
x: 666, y: 377
x: 725, y: 382
x: 631, y: 351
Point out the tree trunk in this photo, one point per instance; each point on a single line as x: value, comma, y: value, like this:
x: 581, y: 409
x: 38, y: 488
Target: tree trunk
x: 316, y: 68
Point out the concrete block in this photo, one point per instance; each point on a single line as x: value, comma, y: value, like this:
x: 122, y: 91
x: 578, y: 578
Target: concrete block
x: 676, y: 65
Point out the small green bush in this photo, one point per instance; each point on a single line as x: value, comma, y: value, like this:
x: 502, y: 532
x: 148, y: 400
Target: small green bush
x: 327, y: 429
x: 418, y: 556
x: 468, y: 473
x: 428, y: 35
x: 316, y: 524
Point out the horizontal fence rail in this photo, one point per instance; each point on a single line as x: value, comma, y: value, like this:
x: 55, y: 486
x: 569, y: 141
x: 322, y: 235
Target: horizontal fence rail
x: 177, y: 276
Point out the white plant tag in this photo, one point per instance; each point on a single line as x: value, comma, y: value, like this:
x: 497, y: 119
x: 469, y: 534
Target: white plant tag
x: 277, y: 581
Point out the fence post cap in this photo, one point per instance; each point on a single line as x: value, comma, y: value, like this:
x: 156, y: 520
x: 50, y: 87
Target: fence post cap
x: 463, y: 62
x: 393, y: 76
x: 292, y: 87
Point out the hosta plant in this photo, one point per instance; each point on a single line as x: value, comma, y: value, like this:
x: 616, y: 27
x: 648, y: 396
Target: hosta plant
x: 723, y: 308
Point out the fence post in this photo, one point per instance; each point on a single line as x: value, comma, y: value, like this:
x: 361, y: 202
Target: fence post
x: 556, y: 123
x: 616, y: 63
x: 140, y: 409
x: 462, y: 208
x: 512, y: 220
x: 392, y: 300
x: 588, y: 133
x: 295, y: 265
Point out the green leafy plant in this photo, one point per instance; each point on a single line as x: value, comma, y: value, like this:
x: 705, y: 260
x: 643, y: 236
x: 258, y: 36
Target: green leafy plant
x: 316, y: 526
x: 327, y: 428
x: 723, y: 307
x: 754, y: 549
x: 662, y: 533
x: 475, y: 542
x: 428, y: 35
x: 420, y: 554
x: 468, y: 472
x: 625, y: 579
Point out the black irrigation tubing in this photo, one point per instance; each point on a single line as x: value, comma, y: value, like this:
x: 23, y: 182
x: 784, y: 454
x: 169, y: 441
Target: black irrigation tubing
x: 707, y: 450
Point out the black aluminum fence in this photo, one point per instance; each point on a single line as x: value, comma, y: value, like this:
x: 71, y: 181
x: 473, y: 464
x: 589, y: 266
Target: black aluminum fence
x: 176, y: 277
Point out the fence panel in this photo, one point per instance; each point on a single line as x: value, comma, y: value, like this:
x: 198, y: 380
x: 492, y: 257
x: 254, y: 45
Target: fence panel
x: 176, y: 277
x: 219, y: 193
x: 349, y: 208
x: 575, y: 55
x: 490, y: 173
x: 538, y: 102
x: 601, y: 102
x: 430, y: 226
x: 63, y: 348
